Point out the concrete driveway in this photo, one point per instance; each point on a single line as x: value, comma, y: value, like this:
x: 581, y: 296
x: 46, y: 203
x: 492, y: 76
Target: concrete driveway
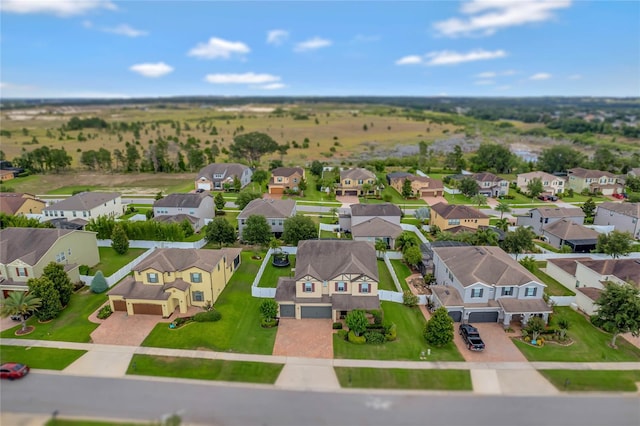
x: 435, y: 200
x: 307, y: 338
x: 347, y: 200
x: 498, y: 345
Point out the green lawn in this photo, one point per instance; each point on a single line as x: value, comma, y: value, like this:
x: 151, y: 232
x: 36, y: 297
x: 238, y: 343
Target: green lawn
x: 238, y: 331
x: 410, y: 343
x: 76, y: 422
x: 71, y: 326
x: 139, y: 210
x: 397, y: 378
x: 44, y: 358
x: 396, y: 198
x: 272, y: 273
x: 461, y: 199
x: 546, y: 246
x: 386, y: 282
x: 590, y: 344
x: 402, y: 272
x: 111, y: 262
x: 204, y: 369
x: 593, y: 380
x: 68, y: 190
x: 554, y: 288
x: 411, y: 221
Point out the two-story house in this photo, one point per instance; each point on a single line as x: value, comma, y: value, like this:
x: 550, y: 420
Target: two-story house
x: 564, y: 232
x: 219, y: 176
x: 372, y: 222
x: 24, y: 253
x: 542, y: 216
x: 285, y: 178
x: 332, y: 277
x: 485, y: 284
x: 491, y: 185
x: 275, y: 211
x: 624, y: 216
x: 352, y: 180
x: 19, y: 204
x: 421, y: 186
x: 594, y: 181
x: 172, y: 278
x: 450, y: 216
x: 83, y: 207
x: 196, y: 208
x: 552, y: 185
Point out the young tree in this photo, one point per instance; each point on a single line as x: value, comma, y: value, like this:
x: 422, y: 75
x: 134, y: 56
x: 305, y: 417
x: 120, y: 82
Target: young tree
x: 56, y: 274
x: 299, y: 228
x: 43, y: 289
x: 468, y: 186
x: 589, y: 208
x: 615, y: 244
x: 268, y: 309
x: 316, y: 168
x: 257, y: 230
x: 409, y: 299
x: 535, y: 187
x: 407, y: 190
x: 252, y: 146
x: 357, y: 321
x: 99, y: 283
x: 245, y: 197
x: 119, y: 239
x: 422, y: 214
x: 479, y: 200
x: 405, y: 240
x: 503, y: 208
x: 260, y: 176
x: 219, y: 201
x: 381, y: 248
x: 535, y: 326
x: 439, y: 329
x: 302, y: 186
x: 220, y: 231
x: 412, y: 256
x: 20, y: 303
x: 237, y: 185
x: 503, y: 224
x: 366, y: 189
x: 518, y: 241
x: 563, y: 326
x: 619, y: 310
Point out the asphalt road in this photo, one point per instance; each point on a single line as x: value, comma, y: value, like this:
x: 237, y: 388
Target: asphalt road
x: 217, y: 404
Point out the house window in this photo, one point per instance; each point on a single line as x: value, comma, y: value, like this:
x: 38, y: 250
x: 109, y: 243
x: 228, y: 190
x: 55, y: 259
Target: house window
x: 60, y: 257
x: 279, y: 179
x: 507, y: 291
x: 196, y: 277
x: 347, y: 182
x: 197, y: 296
x: 530, y: 291
x: 360, y: 181
x: 22, y: 272
x: 477, y: 292
x: 273, y: 223
x: 295, y: 180
x: 365, y: 288
x: 308, y: 287
x: 450, y: 276
x: 152, y: 277
x: 74, y: 213
x: 454, y: 221
x: 341, y: 286
x: 217, y: 176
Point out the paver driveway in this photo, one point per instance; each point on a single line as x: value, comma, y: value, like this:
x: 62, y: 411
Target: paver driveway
x: 308, y: 338
x: 498, y: 345
x: 347, y: 200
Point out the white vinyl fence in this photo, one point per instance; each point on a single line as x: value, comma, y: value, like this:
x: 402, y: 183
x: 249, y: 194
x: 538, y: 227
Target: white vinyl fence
x: 263, y: 291
x: 415, y: 230
x: 122, y: 272
x: 563, y: 300
x: 158, y: 244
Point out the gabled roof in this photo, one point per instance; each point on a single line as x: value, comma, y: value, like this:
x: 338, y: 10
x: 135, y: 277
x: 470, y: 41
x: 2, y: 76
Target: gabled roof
x: 570, y: 231
x: 485, y: 264
x: 455, y: 211
x: 395, y: 175
x: 627, y: 209
x: 268, y: 208
x: 376, y: 227
x: 226, y: 169
x: 486, y: 177
x: 28, y: 244
x: 176, y: 218
x: 624, y: 269
x: 326, y: 259
x: 287, y: 171
x: 569, y: 265
x: 559, y: 211
x: 84, y: 201
x: 542, y: 175
x: 384, y: 209
x: 589, y: 173
x: 357, y: 173
x: 430, y: 182
x: 10, y: 202
x: 175, y: 259
x: 182, y: 200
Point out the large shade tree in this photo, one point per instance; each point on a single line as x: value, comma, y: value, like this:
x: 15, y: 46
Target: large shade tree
x: 256, y: 230
x: 619, y: 310
x: 299, y: 228
x: 220, y: 231
x: 252, y: 146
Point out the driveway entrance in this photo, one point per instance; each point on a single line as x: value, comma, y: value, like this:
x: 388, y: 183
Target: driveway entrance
x: 498, y: 345
x: 308, y: 338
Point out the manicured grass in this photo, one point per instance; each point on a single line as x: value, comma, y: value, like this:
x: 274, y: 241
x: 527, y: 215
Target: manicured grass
x: 411, y: 221
x: 111, y: 262
x: 44, y: 358
x: 461, y: 199
x: 238, y: 331
x: 328, y: 234
x: 304, y: 202
x: 204, y: 369
x: 554, y: 288
x: 71, y: 326
x: 386, y: 282
x: 399, y: 378
x: 590, y: 344
x: 272, y: 273
x: 409, y: 344
x: 593, y: 380
x: 396, y: 198
x: 402, y: 272
x: 139, y: 210
x: 546, y: 246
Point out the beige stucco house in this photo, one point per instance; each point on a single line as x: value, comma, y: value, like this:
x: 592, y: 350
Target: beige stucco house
x: 351, y: 181
x: 285, y: 178
x: 552, y: 185
x: 449, y: 216
x: 16, y: 203
x: 175, y: 279
x: 594, y: 181
x: 421, y: 186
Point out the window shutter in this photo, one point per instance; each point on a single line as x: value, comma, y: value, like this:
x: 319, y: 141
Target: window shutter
x: 481, y: 292
x: 313, y: 287
x: 535, y: 290
x: 360, y: 288
x: 336, y: 286
x: 17, y: 272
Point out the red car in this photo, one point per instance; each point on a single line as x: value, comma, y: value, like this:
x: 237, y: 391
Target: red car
x: 618, y: 196
x: 12, y: 370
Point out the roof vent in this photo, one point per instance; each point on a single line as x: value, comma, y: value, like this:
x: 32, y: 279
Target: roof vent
x: 446, y: 292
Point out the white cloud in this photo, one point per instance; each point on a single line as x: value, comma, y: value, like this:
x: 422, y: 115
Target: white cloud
x: 125, y: 30
x: 484, y: 83
x: 540, y: 76
x: 312, y: 44
x: 409, y: 60
x: 246, y: 78
x: 488, y: 74
x: 485, y: 17
x: 272, y: 86
x: 62, y: 8
x: 152, y: 70
x: 218, y: 48
x: 575, y: 77
x: 447, y: 57
x: 277, y: 37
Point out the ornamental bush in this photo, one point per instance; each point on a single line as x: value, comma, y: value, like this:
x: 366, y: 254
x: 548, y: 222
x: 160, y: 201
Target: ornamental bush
x: 208, y: 316
x: 374, y: 337
x: 391, y: 333
x: 337, y: 326
x: 99, y: 283
x: 358, y: 340
x: 342, y: 334
x: 105, y: 312
x: 409, y: 299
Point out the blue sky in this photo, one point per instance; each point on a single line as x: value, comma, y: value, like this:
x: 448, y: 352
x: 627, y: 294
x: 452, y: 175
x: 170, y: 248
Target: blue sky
x: 100, y: 48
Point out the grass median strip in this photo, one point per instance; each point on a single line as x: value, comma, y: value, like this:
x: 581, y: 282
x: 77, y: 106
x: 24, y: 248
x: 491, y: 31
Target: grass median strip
x: 204, y: 369
x: 593, y: 380
x: 399, y: 378
x: 44, y: 358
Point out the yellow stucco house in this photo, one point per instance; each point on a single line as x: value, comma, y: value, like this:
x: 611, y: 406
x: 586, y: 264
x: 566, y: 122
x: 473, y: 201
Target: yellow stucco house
x: 451, y: 217
x: 16, y: 204
x: 352, y: 180
x: 171, y: 279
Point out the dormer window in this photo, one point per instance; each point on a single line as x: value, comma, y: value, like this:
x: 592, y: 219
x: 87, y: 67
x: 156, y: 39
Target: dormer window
x: 152, y: 277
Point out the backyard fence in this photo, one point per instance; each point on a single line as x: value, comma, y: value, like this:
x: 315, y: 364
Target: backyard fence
x: 159, y: 244
x: 122, y: 272
x: 263, y: 291
x: 563, y: 300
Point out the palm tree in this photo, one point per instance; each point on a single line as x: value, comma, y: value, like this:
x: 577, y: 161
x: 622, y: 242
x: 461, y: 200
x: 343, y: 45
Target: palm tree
x: 479, y: 200
x: 334, y: 213
x: 381, y: 247
x: 503, y: 208
x: 563, y: 325
x: 502, y: 224
x: 20, y: 303
x: 486, y: 237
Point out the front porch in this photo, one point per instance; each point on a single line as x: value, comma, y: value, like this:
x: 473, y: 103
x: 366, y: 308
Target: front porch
x: 523, y: 310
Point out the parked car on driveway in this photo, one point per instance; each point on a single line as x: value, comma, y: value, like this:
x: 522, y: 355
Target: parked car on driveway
x: 471, y: 337
x: 13, y: 370
x: 548, y: 197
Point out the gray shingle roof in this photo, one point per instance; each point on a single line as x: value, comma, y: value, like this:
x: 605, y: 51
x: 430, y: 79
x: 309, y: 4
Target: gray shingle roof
x: 589, y: 173
x: 129, y: 288
x: 175, y: 259
x: 384, y: 209
x: 486, y: 177
x: 357, y: 173
x: 326, y: 259
x: 226, y: 169
x: 84, y: 201
x: 287, y: 171
x: 569, y: 265
x: 624, y: 269
x: 28, y: 244
x: 268, y: 208
x: 182, y: 200
x: 559, y: 211
x: 521, y: 306
x: 176, y: 218
x: 570, y: 231
x: 627, y: 209
x: 455, y: 211
x: 376, y: 227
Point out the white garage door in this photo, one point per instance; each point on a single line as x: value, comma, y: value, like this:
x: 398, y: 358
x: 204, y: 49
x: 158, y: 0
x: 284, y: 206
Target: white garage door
x: 204, y: 186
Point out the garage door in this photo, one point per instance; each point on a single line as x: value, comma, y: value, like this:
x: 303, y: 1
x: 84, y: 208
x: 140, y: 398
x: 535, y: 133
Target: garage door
x: 120, y: 305
x: 276, y: 190
x: 206, y: 186
x: 315, y: 312
x: 456, y: 316
x: 483, y: 317
x: 353, y: 193
x: 287, y: 311
x: 147, y: 309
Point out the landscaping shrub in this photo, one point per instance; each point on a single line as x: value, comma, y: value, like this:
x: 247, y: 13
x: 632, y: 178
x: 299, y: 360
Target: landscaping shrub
x: 377, y: 314
x: 358, y: 340
x: 342, y: 334
x: 268, y: 323
x: 268, y: 309
x: 182, y: 321
x: 387, y: 198
x: 83, y: 269
x: 374, y: 337
x: 99, y: 283
x: 105, y: 312
x: 337, y: 326
x: 409, y: 299
x: 208, y: 316
x: 391, y: 332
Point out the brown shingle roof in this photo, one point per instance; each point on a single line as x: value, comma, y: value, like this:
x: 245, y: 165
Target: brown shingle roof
x: 376, y: 227
x: 624, y: 269
x: 455, y: 211
x: 347, y: 302
x: 591, y: 292
x: 176, y: 218
x: 449, y: 296
x: 268, y: 208
x: 569, y: 265
x: 486, y: 177
x: 627, y: 209
x: 130, y: 289
x: 84, y: 201
x: 560, y: 211
x: 10, y: 202
x: 175, y: 259
x: 521, y: 306
x: 542, y: 175
x: 28, y: 244
x: 357, y: 173
x: 182, y: 200
x: 287, y: 171
x: 226, y: 169
x: 384, y: 209
x: 326, y: 259
x: 570, y: 231
x: 589, y: 173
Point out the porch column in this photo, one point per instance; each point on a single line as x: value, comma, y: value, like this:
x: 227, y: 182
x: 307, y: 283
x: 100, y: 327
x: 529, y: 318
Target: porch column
x: 506, y: 320
x: 525, y: 319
